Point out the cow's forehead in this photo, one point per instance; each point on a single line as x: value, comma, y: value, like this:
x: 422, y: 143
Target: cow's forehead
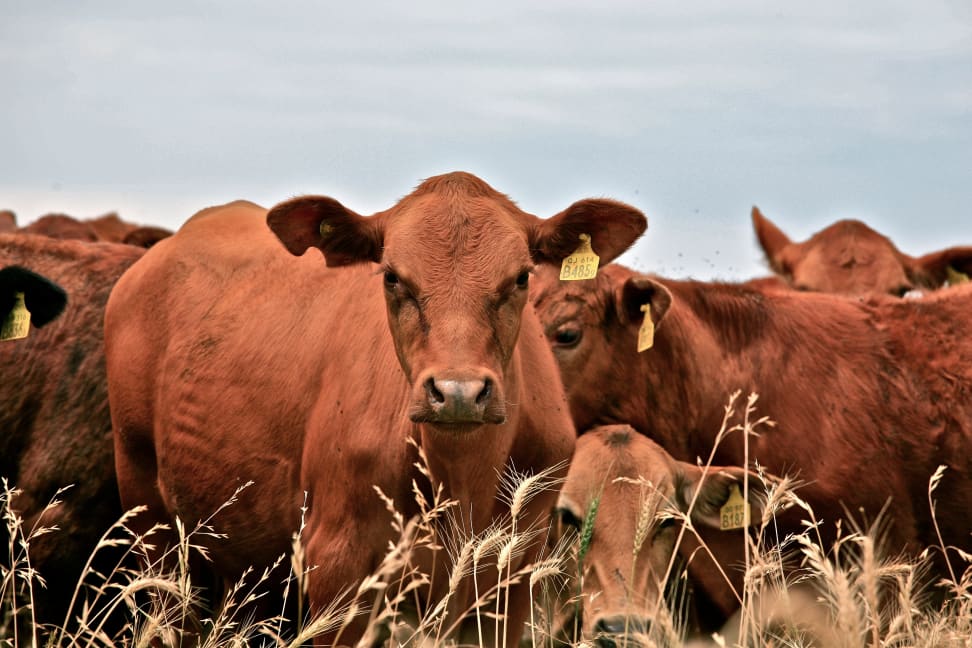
x: 455, y: 233
x: 607, y: 460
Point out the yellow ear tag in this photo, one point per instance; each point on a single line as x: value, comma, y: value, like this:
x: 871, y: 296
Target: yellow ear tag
x: 646, y: 334
x: 954, y: 277
x: 17, y: 323
x: 325, y: 230
x: 734, y: 514
x: 582, y: 263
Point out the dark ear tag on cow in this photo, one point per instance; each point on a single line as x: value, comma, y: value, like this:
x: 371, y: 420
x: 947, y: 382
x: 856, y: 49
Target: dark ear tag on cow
x: 646, y: 334
x: 734, y: 514
x: 17, y: 323
x: 582, y: 263
x: 954, y: 277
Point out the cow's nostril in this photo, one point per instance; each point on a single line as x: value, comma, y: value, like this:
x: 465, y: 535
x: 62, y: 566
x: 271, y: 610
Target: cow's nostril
x: 436, y: 397
x: 485, y: 393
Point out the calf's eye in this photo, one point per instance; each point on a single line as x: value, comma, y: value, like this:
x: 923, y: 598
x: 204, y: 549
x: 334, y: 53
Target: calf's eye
x: 391, y: 279
x: 523, y: 279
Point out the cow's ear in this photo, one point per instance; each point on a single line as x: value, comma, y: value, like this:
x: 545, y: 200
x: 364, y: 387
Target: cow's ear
x: 932, y: 270
x: 317, y: 221
x: 715, y: 486
x: 613, y: 226
x: 773, y: 241
x: 43, y: 298
x: 638, y: 291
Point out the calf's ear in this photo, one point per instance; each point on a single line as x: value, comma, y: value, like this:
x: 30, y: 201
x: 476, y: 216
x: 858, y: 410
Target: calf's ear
x: 715, y: 486
x: 772, y: 239
x: 318, y: 221
x: 43, y: 298
x: 932, y: 270
x: 613, y: 226
x: 638, y: 291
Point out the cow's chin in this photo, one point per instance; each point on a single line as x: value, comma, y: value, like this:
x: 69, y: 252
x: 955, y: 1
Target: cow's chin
x: 455, y: 426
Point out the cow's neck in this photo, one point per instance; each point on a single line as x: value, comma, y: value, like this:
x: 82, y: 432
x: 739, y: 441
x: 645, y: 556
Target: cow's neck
x: 707, y: 347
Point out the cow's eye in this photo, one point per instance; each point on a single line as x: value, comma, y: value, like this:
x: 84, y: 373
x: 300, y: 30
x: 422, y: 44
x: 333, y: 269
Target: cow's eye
x: 523, y: 279
x: 666, y: 523
x: 569, y: 519
x: 391, y: 279
x: 567, y: 336
x: 901, y: 290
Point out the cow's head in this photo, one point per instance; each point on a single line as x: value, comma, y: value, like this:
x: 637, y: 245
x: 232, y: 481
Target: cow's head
x: 637, y: 487
x: 591, y: 326
x: 851, y: 258
x: 455, y: 258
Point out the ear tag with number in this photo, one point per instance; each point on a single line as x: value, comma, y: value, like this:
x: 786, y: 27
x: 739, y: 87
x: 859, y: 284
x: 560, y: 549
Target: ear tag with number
x: 954, y: 277
x: 17, y: 323
x: 734, y: 514
x: 582, y: 263
x: 646, y: 334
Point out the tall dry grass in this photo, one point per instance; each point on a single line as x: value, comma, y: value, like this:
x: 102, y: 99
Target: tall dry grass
x: 796, y: 592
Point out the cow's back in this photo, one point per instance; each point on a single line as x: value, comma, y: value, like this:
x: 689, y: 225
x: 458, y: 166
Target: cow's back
x: 54, y: 410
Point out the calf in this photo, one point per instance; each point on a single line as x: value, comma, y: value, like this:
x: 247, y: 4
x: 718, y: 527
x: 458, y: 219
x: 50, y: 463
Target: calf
x: 851, y: 258
x: 869, y: 398
x: 230, y: 360
x: 54, y: 407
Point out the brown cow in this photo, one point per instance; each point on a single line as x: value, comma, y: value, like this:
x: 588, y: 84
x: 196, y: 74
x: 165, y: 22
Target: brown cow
x: 869, y: 397
x: 851, y: 258
x: 8, y: 221
x: 229, y: 360
x: 54, y: 411
x: 627, y: 483
x: 108, y: 228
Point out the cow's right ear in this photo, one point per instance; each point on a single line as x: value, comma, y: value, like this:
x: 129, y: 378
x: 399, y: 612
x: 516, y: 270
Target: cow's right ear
x: 42, y: 297
x: 318, y: 221
x: 638, y: 291
x: 772, y: 240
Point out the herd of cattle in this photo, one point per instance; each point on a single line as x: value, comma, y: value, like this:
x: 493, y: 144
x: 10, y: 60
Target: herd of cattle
x: 229, y: 354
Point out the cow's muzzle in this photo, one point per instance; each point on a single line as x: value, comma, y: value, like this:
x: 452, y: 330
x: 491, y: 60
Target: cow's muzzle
x: 458, y: 400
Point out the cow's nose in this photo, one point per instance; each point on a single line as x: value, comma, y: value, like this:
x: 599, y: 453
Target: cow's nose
x: 459, y: 401
x: 618, y: 631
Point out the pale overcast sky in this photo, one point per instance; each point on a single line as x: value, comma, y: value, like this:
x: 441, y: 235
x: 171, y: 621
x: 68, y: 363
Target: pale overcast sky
x: 692, y: 111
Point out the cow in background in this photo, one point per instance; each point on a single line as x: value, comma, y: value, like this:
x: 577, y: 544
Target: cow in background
x: 8, y: 221
x: 851, y: 258
x: 229, y: 359
x: 108, y: 228
x: 869, y: 397
x: 54, y: 410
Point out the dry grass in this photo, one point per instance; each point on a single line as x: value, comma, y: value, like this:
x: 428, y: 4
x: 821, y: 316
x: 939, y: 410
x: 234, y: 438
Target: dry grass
x: 795, y: 593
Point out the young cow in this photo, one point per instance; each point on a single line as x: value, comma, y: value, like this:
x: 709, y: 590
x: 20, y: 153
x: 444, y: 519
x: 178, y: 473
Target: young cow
x: 230, y: 359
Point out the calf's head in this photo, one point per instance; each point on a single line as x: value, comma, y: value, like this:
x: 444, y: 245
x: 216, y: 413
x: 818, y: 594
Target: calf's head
x: 626, y: 493
x: 851, y: 258
x: 455, y: 259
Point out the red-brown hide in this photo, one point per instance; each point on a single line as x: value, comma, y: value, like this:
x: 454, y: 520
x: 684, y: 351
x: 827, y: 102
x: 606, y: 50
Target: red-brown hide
x: 108, y: 228
x: 869, y: 398
x: 54, y: 412
x: 231, y: 360
x: 851, y: 258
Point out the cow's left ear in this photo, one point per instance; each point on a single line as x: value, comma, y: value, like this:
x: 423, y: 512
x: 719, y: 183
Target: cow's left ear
x: 318, y: 221
x: 931, y: 270
x: 613, y: 226
x: 716, y: 485
x: 638, y: 291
